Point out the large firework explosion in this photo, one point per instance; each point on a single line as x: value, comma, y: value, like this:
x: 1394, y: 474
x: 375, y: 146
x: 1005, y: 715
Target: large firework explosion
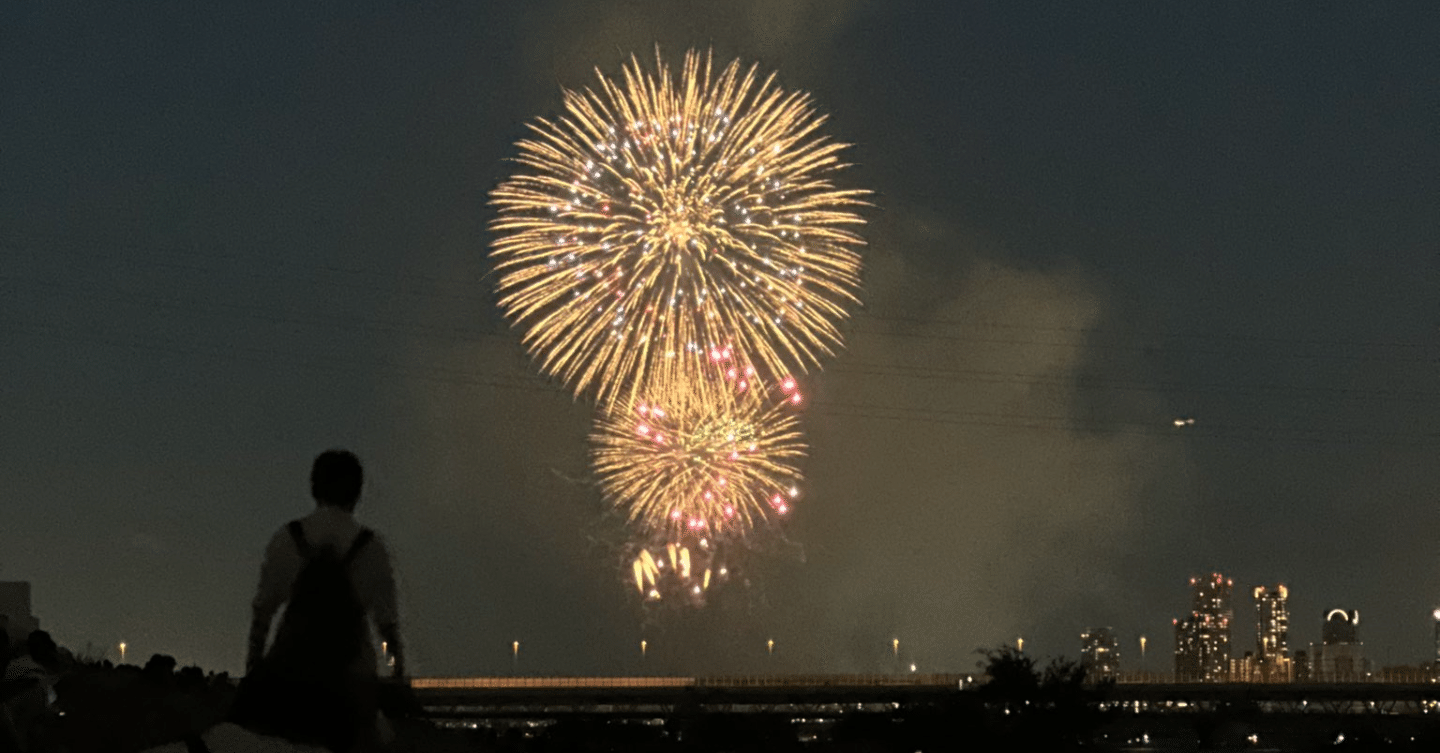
x: 702, y: 462
x: 663, y: 215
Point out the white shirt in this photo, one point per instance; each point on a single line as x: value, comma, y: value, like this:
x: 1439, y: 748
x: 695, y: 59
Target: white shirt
x: 26, y: 668
x: 370, y: 571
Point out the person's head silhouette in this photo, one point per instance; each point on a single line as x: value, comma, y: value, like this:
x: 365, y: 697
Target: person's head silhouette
x: 42, y: 649
x: 336, y: 478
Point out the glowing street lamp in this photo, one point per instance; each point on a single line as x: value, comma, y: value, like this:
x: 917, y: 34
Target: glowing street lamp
x: 122, y: 652
x: 770, y: 646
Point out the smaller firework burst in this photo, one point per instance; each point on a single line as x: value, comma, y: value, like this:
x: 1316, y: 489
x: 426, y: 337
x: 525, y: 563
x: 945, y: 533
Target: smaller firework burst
x: 681, y: 571
x: 714, y: 457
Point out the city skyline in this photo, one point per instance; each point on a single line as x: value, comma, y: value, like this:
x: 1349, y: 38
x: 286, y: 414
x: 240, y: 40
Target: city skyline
x: 1101, y: 649
x: 1205, y: 648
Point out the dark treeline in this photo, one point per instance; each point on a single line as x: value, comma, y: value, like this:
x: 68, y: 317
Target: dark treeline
x: 103, y: 707
x: 1021, y: 706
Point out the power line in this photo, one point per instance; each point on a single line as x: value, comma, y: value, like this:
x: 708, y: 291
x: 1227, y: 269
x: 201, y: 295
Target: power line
x: 1234, y: 336
x: 983, y: 376
x: 438, y: 287
x: 1114, y: 426
x: 843, y: 368
x: 142, y: 254
x: 1084, y: 344
x: 872, y: 411
x: 190, y: 306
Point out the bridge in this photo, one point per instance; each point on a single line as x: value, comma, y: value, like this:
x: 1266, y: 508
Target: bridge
x: 832, y: 695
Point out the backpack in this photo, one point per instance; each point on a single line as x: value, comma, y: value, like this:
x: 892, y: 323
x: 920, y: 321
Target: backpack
x: 304, y: 689
x: 323, y: 630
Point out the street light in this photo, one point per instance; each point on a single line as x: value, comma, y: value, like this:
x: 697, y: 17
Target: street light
x: 122, y: 652
x: 770, y: 646
x: 514, y: 657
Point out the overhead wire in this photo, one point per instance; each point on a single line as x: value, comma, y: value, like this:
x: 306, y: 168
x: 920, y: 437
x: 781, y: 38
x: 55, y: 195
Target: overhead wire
x: 927, y: 415
x: 265, y: 266
x: 461, y: 336
x: 191, y: 307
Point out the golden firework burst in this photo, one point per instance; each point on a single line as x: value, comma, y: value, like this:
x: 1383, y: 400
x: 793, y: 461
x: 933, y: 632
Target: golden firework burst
x: 677, y: 572
x: 664, y: 215
x: 709, y: 464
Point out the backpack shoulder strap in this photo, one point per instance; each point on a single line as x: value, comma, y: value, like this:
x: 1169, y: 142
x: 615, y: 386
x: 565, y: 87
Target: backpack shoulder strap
x: 297, y: 532
x: 361, y: 540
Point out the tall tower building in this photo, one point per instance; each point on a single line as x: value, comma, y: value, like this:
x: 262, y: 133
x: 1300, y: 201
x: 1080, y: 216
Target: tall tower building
x: 1272, y: 633
x: 1340, y: 655
x: 1212, y: 596
x: 1187, y: 651
x: 1099, y: 654
x: 1202, y: 641
x: 1340, y: 627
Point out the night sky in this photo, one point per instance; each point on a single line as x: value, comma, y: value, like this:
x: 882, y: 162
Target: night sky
x: 236, y: 234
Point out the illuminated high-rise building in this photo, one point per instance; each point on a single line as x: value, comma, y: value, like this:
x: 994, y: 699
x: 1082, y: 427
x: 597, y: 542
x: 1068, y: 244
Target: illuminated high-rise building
x: 1340, y: 655
x: 1202, y: 641
x: 1212, y: 596
x: 1302, y: 668
x: 1187, y: 651
x: 1272, y: 633
x: 1340, y: 627
x: 1099, y: 654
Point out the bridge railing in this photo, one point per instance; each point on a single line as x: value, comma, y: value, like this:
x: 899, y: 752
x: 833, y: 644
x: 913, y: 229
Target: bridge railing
x: 779, y: 682
x: 1388, y: 675
x: 794, y: 682
x: 545, y: 683
x: 836, y: 681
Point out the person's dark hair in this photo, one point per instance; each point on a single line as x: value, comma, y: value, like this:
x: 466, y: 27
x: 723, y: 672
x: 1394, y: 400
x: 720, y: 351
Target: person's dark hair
x: 336, y: 478
x: 42, y: 648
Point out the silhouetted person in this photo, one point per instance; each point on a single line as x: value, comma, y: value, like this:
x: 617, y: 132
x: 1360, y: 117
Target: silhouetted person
x: 31, y: 679
x: 160, y: 670
x: 335, y: 576
x: 9, y: 736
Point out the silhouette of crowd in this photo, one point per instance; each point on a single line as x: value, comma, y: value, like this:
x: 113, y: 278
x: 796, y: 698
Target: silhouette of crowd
x: 313, y: 687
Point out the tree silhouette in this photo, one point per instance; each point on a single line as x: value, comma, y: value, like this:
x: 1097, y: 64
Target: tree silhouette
x: 1051, y: 708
